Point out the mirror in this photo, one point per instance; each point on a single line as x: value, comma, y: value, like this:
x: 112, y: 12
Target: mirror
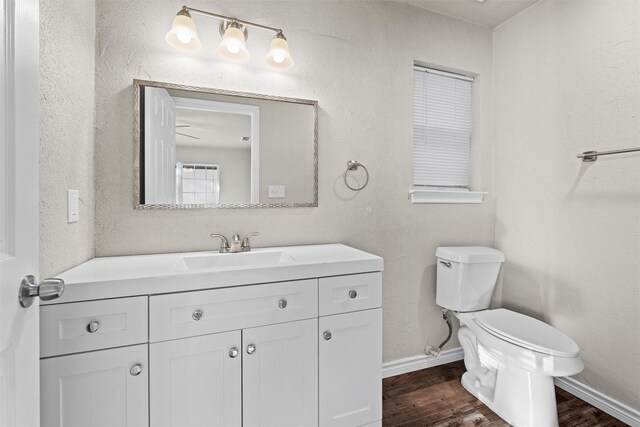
x: 211, y: 148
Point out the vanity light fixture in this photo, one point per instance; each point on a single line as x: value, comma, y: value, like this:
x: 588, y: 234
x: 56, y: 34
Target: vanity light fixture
x: 233, y: 45
x: 234, y: 35
x: 183, y: 33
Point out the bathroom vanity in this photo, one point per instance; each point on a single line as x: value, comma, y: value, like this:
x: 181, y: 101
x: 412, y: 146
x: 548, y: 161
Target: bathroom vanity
x: 286, y: 336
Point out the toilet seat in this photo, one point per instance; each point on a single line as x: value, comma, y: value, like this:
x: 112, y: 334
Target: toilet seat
x: 527, y: 332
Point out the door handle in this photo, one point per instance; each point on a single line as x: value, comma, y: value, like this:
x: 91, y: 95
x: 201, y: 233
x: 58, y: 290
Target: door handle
x: 48, y: 290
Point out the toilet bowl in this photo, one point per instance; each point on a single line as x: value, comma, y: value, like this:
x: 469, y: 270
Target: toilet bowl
x: 510, y: 358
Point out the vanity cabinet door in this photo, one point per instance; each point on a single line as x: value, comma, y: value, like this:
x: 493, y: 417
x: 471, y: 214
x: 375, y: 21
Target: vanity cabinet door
x: 196, y: 381
x: 280, y: 375
x: 99, y: 388
x: 350, y: 359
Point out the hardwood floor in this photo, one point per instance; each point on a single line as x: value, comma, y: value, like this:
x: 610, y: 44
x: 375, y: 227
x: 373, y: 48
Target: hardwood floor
x: 435, y: 397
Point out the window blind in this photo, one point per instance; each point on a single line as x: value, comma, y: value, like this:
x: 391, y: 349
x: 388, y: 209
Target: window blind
x: 441, y: 128
x: 197, y: 184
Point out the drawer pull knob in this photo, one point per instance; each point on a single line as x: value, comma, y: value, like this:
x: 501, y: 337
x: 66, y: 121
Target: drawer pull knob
x: 251, y: 349
x: 135, y: 369
x: 93, y: 327
x: 353, y: 294
x: 282, y: 303
x: 233, y: 352
x: 326, y: 335
x: 197, y: 315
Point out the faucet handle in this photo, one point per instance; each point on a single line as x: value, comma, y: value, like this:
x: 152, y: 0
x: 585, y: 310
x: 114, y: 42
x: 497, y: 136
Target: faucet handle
x: 245, y: 242
x: 224, y: 243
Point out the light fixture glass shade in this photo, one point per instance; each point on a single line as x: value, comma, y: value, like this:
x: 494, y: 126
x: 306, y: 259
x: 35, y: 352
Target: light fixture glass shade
x: 233, y: 45
x: 183, y: 34
x: 279, y: 55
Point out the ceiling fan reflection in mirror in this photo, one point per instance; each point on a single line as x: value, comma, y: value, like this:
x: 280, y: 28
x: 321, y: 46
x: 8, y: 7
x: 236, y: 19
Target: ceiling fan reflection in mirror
x: 184, y: 134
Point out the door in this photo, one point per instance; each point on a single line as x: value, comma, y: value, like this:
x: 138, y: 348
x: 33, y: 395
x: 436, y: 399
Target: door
x: 350, y: 359
x: 197, y: 381
x: 280, y: 374
x: 19, y: 367
x: 159, y: 147
x: 99, y: 388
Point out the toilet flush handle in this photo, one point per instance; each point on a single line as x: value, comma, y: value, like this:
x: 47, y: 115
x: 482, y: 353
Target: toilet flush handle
x: 446, y: 264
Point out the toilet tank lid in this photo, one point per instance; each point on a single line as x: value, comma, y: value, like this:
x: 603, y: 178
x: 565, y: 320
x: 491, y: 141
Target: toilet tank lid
x: 469, y: 254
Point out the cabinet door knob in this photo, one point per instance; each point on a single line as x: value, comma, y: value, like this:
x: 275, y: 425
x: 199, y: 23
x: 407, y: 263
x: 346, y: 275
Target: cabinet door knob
x: 282, y: 303
x: 197, y: 315
x: 251, y: 349
x: 233, y: 352
x: 326, y: 335
x: 93, y: 326
x: 135, y: 369
x: 353, y: 294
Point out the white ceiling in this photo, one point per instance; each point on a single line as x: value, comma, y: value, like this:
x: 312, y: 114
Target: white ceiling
x: 224, y: 130
x: 489, y: 13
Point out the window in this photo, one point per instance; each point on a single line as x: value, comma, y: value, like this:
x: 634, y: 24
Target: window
x: 441, y: 137
x: 197, y: 184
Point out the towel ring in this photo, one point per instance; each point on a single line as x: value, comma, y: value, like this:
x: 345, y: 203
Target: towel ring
x: 352, y: 165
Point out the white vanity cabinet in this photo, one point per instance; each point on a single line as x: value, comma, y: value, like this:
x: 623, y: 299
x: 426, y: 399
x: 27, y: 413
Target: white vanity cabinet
x: 100, y: 388
x: 255, y: 375
x: 280, y: 377
x: 106, y: 387
x: 350, y: 350
x: 197, y: 381
x: 296, y: 345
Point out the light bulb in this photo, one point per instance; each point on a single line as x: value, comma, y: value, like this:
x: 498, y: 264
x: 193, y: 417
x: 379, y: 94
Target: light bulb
x: 279, y: 56
x: 184, y: 37
x: 233, y: 45
x: 183, y: 33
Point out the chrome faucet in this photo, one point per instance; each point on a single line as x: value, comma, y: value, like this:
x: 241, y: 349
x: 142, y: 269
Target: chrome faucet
x: 224, y: 243
x: 245, y: 242
x: 237, y: 245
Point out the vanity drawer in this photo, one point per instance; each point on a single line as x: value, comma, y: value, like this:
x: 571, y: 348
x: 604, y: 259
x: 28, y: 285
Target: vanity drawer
x: 92, y: 325
x: 354, y: 292
x: 204, y: 312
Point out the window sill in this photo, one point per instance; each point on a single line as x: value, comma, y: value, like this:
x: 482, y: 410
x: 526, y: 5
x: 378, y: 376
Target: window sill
x: 421, y: 195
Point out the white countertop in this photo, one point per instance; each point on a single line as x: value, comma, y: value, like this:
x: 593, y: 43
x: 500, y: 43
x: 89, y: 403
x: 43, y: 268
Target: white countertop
x: 123, y: 276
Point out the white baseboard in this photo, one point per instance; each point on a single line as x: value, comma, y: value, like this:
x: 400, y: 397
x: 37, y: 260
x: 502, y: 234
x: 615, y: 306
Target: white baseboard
x: 606, y: 404
x: 410, y: 364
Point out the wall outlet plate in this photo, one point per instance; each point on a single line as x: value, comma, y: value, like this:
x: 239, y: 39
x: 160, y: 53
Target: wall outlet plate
x: 73, y: 206
x: 276, y: 191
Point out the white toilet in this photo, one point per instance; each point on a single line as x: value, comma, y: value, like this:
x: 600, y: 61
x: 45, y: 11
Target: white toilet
x: 511, y: 358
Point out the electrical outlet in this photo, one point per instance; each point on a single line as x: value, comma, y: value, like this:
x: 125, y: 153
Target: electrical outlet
x: 276, y: 191
x: 73, y: 206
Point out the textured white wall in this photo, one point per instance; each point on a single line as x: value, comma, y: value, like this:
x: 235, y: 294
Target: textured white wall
x: 356, y: 59
x: 67, y: 46
x: 567, y: 80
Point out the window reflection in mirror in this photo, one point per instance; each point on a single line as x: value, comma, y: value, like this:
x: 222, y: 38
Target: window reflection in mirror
x: 211, y: 148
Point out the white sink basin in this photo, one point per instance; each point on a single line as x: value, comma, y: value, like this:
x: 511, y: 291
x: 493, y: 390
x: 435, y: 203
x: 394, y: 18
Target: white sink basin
x: 238, y: 260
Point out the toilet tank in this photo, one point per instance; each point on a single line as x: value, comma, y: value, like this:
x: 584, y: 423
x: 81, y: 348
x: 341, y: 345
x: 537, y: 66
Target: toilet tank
x: 466, y: 277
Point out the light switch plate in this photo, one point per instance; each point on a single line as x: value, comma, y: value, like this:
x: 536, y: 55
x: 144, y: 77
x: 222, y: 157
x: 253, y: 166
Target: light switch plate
x: 73, y: 206
x: 276, y: 191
